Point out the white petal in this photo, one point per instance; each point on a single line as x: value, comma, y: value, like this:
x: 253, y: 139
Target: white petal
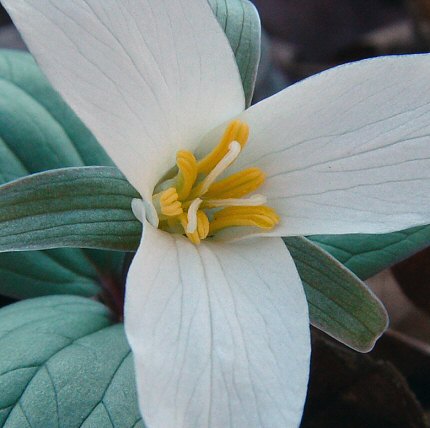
x: 348, y: 150
x: 219, y: 333
x: 148, y: 77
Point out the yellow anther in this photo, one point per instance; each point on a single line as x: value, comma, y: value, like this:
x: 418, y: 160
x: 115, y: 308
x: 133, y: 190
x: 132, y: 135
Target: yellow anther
x: 187, y: 174
x: 202, y: 224
x: 236, y: 131
x: 166, y: 202
x: 186, y: 201
x: 237, y: 185
x: 262, y: 217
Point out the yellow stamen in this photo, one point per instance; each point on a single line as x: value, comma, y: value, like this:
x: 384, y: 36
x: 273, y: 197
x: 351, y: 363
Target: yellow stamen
x: 262, y: 217
x: 202, y: 224
x: 237, y: 185
x: 186, y: 201
x: 187, y: 174
x: 167, y: 203
x: 236, y: 131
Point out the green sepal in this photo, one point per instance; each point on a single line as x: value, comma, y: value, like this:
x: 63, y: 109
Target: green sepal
x: 241, y: 24
x: 87, y: 207
x: 65, y: 364
x: 339, y: 303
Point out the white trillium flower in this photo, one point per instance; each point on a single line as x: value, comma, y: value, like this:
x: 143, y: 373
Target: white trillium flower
x: 219, y: 330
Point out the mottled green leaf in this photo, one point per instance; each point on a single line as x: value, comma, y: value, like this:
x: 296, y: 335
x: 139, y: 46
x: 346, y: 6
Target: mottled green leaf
x: 86, y: 207
x: 241, y: 24
x: 65, y: 364
x: 38, y: 132
x: 367, y: 255
x: 339, y: 303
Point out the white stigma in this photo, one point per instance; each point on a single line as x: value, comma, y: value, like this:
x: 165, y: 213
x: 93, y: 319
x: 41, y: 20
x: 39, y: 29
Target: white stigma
x: 192, y: 215
x: 253, y: 201
x: 233, y: 152
x: 144, y: 212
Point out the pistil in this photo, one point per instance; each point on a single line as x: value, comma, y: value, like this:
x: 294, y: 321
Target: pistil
x: 232, y: 154
x: 253, y: 201
x: 192, y: 215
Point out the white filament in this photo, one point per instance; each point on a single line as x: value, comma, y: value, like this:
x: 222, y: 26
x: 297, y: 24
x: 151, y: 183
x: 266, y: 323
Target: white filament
x: 233, y: 152
x: 253, y: 201
x: 192, y: 215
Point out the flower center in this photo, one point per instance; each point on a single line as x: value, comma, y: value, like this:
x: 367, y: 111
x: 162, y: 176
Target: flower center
x: 195, y: 203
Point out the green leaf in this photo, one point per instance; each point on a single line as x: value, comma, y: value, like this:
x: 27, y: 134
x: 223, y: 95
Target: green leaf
x: 72, y: 207
x: 241, y: 24
x: 64, y: 364
x: 38, y: 132
x: 339, y: 303
x: 32, y: 274
x: 367, y: 255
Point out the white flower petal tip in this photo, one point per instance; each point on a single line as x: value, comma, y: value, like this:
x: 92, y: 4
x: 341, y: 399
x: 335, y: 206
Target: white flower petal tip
x: 219, y: 333
x: 139, y: 74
